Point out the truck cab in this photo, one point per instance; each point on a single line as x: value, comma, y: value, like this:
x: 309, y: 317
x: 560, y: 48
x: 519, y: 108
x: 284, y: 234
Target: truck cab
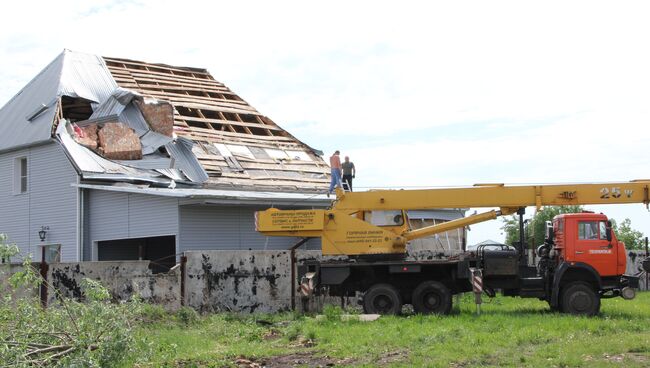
x: 588, y: 238
x: 582, y: 262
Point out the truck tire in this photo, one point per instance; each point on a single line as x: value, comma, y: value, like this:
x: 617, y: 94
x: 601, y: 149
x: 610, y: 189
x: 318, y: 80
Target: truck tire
x: 431, y: 297
x: 382, y: 299
x: 580, y: 298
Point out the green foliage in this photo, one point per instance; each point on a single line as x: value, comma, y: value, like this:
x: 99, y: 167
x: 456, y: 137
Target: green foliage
x: 26, y: 278
x: 68, y: 333
x: 332, y: 312
x: 537, y: 226
x: 293, y: 333
x: 94, y: 290
x: 187, y: 315
x: 633, y: 239
x: 152, y: 313
x: 7, y: 250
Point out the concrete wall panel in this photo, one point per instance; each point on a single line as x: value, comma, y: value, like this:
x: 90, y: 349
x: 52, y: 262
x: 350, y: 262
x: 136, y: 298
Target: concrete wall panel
x: 123, y: 279
x: 250, y: 282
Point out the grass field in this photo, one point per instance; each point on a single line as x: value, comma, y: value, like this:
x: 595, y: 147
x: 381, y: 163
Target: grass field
x: 510, y: 332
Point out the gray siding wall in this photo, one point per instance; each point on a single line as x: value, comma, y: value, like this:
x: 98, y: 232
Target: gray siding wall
x: 50, y: 200
x: 213, y: 227
x: 114, y: 215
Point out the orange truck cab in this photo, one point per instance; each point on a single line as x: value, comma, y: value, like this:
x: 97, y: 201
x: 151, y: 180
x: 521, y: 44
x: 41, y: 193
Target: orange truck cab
x: 582, y: 262
x: 587, y: 238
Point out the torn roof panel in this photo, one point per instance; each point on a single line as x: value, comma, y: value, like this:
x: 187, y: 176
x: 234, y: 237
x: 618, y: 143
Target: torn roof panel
x: 216, y: 196
x: 181, y: 153
x: 86, y: 76
x: 210, y: 114
x: 27, y: 118
x: 87, y: 161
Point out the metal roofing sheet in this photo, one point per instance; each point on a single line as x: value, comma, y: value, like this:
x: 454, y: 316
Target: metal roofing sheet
x: 222, y: 196
x: 181, y: 151
x: 153, y: 161
x: 151, y: 141
x: 86, y: 76
x: 133, y: 118
x: 91, y: 164
x: 120, y: 103
x: 70, y: 74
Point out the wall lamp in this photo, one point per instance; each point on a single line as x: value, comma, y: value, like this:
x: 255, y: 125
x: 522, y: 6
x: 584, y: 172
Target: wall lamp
x: 43, y: 232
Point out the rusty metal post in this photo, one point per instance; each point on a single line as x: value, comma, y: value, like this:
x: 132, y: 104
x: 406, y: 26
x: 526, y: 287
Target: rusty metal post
x: 183, y: 274
x: 293, y: 261
x: 43, y: 272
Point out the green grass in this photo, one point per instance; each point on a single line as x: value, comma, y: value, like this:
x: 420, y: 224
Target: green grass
x: 510, y: 332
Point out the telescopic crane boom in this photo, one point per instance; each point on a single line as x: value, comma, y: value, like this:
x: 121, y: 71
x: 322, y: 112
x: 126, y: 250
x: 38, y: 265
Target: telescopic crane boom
x: 348, y: 227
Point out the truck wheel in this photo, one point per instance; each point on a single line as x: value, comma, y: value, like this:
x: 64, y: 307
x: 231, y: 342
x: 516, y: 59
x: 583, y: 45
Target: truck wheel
x: 382, y: 299
x: 431, y: 297
x: 579, y: 298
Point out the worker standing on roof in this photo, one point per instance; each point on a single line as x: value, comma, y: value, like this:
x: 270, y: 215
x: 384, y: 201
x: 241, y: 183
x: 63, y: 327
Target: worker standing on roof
x: 348, y: 173
x: 335, y: 165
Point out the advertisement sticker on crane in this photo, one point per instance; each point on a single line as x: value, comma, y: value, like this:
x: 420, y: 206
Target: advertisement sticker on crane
x: 290, y: 220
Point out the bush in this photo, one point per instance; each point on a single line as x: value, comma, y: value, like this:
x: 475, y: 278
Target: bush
x: 152, y: 313
x: 187, y: 315
x: 332, y: 312
x: 68, y: 333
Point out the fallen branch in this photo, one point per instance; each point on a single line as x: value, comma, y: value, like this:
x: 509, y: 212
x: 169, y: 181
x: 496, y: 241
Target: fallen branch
x: 59, y: 355
x: 47, y: 350
x: 28, y: 344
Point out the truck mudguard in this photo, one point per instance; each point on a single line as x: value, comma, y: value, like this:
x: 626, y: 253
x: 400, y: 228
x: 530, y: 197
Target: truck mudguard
x: 562, y: 269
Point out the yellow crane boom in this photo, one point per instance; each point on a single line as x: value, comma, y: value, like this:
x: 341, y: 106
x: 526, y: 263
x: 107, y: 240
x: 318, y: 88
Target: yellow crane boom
x: 345, y: 229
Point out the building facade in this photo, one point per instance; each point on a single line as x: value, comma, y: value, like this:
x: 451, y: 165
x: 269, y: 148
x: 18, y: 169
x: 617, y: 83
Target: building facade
x: 115, y: 159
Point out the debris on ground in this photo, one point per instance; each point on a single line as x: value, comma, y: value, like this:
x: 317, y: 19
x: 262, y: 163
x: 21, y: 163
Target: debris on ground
x: 300, y: 359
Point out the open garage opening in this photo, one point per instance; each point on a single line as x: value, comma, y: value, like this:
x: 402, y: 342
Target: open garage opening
x: 160, y: 250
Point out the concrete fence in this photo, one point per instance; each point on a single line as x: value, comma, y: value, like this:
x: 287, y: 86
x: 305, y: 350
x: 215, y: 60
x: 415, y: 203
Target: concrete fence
x: 124, y: 279
x: 208, y: 281
x: 634, y: 259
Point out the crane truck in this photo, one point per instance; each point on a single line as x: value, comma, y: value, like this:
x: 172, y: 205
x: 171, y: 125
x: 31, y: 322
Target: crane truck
x: 580, y: 262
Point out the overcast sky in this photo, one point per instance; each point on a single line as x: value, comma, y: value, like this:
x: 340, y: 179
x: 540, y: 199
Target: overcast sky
x: 417, y: 94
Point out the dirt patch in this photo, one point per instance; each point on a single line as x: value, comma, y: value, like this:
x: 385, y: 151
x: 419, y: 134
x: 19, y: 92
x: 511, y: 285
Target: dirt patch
x: 272, y: 334
x: 620, y: 358
x: 392, y: 357
x: 191, y: 363
x: 302, y: 359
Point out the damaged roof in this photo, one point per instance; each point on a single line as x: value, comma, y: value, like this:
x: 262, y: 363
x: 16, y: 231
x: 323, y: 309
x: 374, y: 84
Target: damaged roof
x: 131, y: 121
x: 27, y: 118
x: 236, y: 145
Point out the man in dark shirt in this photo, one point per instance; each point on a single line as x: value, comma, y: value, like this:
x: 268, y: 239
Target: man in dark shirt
x: 348, y: 173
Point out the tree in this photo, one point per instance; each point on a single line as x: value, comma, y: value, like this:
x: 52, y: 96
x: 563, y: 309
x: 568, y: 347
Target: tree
x: 633, y: 239
x: 537, y: 225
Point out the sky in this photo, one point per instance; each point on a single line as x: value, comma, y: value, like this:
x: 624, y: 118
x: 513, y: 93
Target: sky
x: 418, y: 94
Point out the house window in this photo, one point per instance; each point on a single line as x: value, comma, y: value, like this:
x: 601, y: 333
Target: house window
x: 20, y: 175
